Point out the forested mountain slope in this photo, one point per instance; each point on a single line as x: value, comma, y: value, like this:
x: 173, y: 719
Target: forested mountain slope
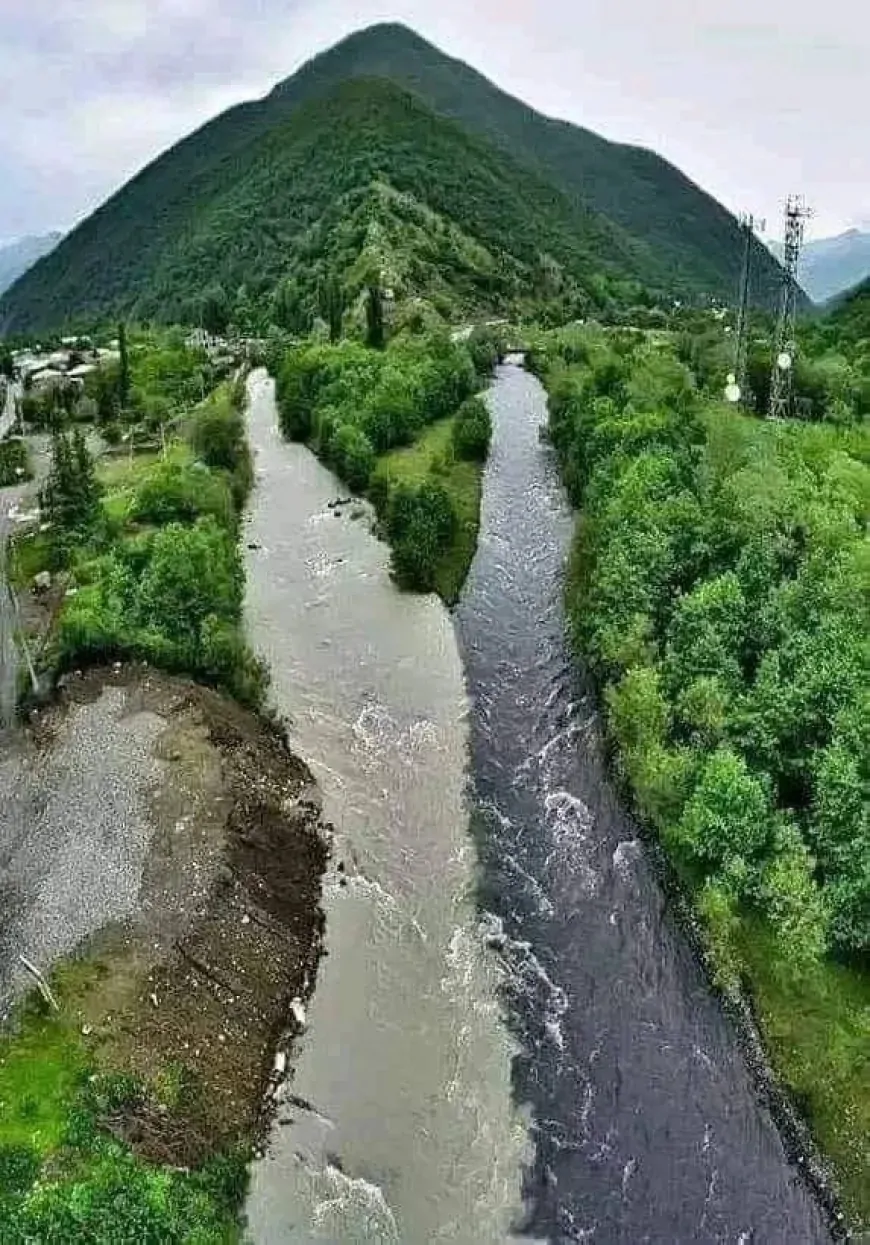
x: 266, y: 201
x: 267, y: 191
x: 695, y: 239
x: 849, y: 316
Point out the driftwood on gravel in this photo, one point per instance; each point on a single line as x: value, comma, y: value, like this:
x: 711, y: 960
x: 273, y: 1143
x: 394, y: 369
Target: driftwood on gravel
x: 41, y: 984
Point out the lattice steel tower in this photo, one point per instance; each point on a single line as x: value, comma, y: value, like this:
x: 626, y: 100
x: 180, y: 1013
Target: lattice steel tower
x: 737, y: 382
x: 796, y: 213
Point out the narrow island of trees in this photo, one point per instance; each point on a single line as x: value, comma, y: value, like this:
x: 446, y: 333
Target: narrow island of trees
x: 399, y: 421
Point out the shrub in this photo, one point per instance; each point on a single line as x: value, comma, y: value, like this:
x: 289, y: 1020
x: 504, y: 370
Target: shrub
x: 172, y: 597
x: 177, y: 492
x: 486, y: 346
x: 19, y: 1166
x: 14, y: 462
x: 472, y: 430
x: 420, y: 523
x: 217, y: 435
x: 354, y: 458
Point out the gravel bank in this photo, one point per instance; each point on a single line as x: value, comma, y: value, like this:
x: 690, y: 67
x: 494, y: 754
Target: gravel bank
x: 74, y: 831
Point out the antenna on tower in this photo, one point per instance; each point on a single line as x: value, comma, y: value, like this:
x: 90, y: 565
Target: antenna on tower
x: 737, y: 387
x: 784, y: 345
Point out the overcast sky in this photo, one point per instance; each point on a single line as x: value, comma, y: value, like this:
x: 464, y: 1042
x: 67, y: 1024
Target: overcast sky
x: 753, y: 100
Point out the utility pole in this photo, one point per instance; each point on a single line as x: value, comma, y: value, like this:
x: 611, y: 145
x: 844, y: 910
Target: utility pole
x: 737, y: 387
x: 784, y: 345
x: 13, y: 641
x: 8, y: 648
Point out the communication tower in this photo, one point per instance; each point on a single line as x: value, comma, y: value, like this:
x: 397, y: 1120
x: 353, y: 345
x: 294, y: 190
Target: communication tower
x: 796, y: 213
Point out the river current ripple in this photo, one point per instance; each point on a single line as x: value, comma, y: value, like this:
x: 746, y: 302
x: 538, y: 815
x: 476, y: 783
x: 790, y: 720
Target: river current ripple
x: 647, y: 1125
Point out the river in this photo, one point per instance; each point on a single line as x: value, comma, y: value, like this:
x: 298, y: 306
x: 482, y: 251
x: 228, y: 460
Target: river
x: 639, y: 1121
x: 411, y: 1135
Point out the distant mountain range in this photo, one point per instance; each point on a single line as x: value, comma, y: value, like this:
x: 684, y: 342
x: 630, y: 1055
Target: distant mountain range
x: 385, y: 155
x: 16, y: 257
x: 829, y: 266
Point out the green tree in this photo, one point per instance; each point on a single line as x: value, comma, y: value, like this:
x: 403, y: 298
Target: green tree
x: 793, y: 900
x: 214, y: 309
x: 472, y: 430
x: 375, y: 335
x: 123, y: 369
x: 353, y: 455
x: 290, y: 309
x: 70, y: 496
x: 332, y: 306
x: 727, y: 820
x: 706, y: 634
x: 421, y: 523
x: 193, y: 573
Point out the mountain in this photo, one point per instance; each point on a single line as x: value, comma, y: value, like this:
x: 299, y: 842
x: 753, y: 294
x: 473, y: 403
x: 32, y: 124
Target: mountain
x: 385, y: 151
x: 17, y: 257
x: 849, y: 315
x: 830, y: 266
x: 696, y: 240
x: 343, y: 177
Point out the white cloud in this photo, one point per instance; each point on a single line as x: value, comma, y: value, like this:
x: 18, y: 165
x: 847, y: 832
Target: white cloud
x: 751, y: 102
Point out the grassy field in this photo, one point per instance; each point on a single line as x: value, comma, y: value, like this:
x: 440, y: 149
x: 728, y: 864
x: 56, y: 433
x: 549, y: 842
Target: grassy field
x: 42, y: 1063
x: 433, y: 455
x: 120, y: 476
x: 28, y: 556
x: 817, y: 1031
x: 120, y: 471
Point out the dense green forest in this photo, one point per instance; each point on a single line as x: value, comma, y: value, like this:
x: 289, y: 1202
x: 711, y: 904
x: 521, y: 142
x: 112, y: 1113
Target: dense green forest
x: 848, y: 320
x: 831, y: 371
x: 149, y: 539
x: 682, y: 238
x: 718, y: 590
x: 385, y: 153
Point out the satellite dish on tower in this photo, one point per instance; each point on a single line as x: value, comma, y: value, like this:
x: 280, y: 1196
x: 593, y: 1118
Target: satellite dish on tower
x: 783, y: 361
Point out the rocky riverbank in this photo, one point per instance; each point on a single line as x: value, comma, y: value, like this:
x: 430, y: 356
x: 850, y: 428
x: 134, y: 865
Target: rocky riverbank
x: 170, y: 842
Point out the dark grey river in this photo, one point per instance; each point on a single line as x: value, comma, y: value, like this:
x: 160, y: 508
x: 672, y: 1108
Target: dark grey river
x: 647, y: 1124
